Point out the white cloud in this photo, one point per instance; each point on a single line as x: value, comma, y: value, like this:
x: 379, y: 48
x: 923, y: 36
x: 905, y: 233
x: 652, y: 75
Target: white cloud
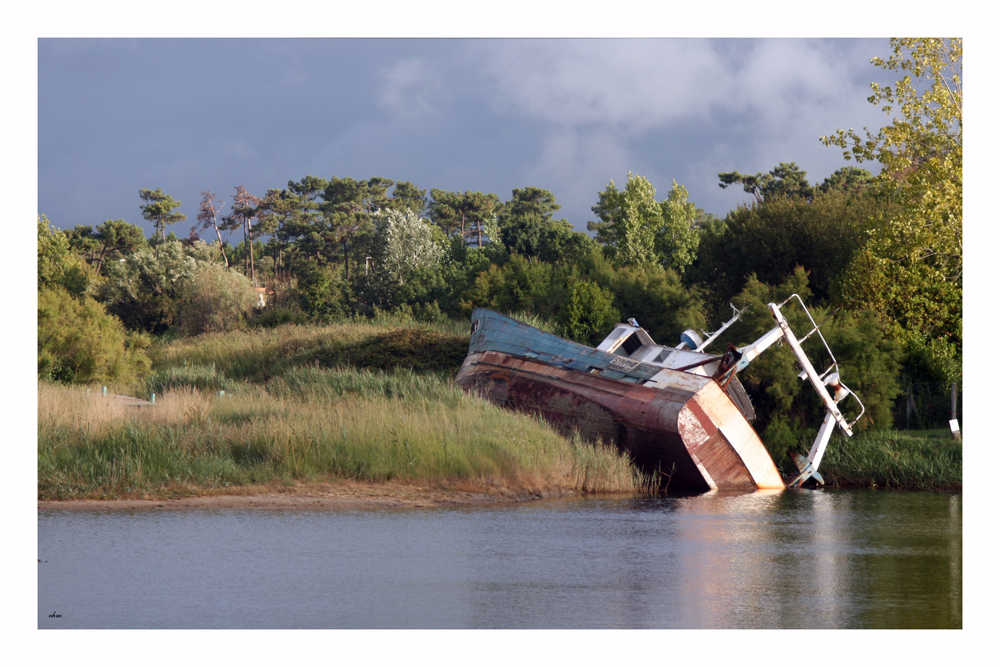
x: 411, y: 88
x: 630, y: 85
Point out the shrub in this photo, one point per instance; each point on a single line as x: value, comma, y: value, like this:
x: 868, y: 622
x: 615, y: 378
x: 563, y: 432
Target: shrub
x: 79, y: 342
x: 215, y: 299
x: 589, y: 315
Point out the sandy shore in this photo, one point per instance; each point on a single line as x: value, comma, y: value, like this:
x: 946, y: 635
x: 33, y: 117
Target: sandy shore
x: 333, y: 495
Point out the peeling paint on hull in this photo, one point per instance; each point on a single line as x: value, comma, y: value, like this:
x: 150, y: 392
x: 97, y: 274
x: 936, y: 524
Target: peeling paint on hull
x: 685, y: 426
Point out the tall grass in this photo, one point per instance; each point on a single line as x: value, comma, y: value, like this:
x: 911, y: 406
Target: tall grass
x: 310, y: 425
x: 889, y: 459
x: 261, y: 354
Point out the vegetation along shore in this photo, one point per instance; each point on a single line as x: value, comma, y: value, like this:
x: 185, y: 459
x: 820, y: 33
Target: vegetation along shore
x: 320, y: 349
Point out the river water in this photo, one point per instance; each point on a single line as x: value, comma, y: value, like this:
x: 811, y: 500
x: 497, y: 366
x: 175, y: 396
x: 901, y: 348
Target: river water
x: 792, y: 559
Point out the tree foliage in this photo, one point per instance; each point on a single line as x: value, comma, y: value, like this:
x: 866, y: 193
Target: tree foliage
x: 145, y: 291
x: 159, y: 209
x: 214, y: 299
x: 771, y: 238
x: 402, y: 248
x: 77, y: 340
x: 588, y: 315
x: 57, y: 266
x: 910, y: 270
x: 785, y: 180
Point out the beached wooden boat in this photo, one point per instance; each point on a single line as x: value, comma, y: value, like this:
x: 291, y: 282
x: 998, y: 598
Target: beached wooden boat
x: 675, y: 410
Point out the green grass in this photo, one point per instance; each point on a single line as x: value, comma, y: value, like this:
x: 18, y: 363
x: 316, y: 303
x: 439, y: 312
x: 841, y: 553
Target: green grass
x: 368, y: 401
x: 889, y: 459
x: 360, y: 402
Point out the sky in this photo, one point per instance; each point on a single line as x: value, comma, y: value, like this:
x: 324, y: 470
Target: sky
x: 568, y: 115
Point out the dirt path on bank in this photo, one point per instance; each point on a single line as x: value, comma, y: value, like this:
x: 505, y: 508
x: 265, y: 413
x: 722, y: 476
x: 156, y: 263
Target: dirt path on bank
x: 320, y: 496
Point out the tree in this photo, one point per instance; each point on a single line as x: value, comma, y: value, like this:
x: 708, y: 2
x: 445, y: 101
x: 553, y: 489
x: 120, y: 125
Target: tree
x: 910, y: 269
x: 214, y: 299
x: 402, y: 248
x: 83, y: 242
x: 849, y: 180
x: 677, y: 241
x: 244, y: 211
x: 785, y: 180
x: 77, y: 340
x: 159, y: 209
x: 57, y: 265
x: 146, y: 290
x: 347, y: 206
x: 208, y: 216
x: 655, y: 297
x: 630, y: 221
x: 464, y: 212
x: 115, y: 236
x: 408, y: 196
x: 770, y: 239
x: 588, y: 316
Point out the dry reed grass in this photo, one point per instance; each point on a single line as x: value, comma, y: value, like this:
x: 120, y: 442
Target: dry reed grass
x: 370, y: 427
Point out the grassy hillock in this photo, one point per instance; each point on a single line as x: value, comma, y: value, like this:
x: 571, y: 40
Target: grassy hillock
x: 307, y: 403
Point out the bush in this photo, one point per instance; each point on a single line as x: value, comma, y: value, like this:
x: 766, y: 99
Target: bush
x: 79, y: 342
x: 275, y: 316
x: 321, y: 291
x: 589, y: 315
x: 215, y: 299
x: 145, y: 291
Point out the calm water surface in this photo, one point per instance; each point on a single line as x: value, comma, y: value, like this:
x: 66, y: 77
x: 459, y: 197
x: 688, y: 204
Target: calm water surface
x: 803, y: 559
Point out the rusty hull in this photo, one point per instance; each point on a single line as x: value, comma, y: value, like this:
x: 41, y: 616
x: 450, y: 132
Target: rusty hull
x: 679, y: 423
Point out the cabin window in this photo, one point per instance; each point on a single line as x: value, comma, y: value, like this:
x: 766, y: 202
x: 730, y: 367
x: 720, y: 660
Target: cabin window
x: 660, y: 358
x: 630, y: 345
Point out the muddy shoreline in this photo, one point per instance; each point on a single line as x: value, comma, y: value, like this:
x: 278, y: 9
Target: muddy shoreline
x: 333, y: 495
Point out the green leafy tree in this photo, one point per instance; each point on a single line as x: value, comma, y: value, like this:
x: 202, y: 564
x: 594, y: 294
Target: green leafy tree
x: 788, y: 410
x: 159, y: 209
x: 589, y: 314
x: 116, y: 236
x: 244, y: 212
x: 79, y: 342
x: 849, y: 180
x: 657, y: 299
x: 677, y: 241
x: 321, y: 290
x: 57, y: 264
x: 407, y: 196
x: 910, y: 269
x: 214, y: 299
x: 630, y: 221
x: 770, y: 239
x: 145, y: 291
x: 83, y: 242
x: 519, y: 285
x: 402, y: 248
x: 785, y: 180
x: 463, y: 212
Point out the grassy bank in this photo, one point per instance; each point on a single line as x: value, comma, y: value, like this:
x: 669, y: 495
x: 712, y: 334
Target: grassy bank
x: 304, y: 404
x: 369, y: 402
x: 889, y: 459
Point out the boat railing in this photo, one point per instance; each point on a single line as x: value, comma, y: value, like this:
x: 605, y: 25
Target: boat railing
x: 831, y: 376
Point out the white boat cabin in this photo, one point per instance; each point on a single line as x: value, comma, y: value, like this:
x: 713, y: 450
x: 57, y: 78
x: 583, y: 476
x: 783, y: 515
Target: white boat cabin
x: 632, y: 341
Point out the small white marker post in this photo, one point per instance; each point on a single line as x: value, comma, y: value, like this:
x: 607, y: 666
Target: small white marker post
x: 955, y: 433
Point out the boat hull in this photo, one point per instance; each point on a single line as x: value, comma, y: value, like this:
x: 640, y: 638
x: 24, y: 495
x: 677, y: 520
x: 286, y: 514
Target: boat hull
x: 681, y: 425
